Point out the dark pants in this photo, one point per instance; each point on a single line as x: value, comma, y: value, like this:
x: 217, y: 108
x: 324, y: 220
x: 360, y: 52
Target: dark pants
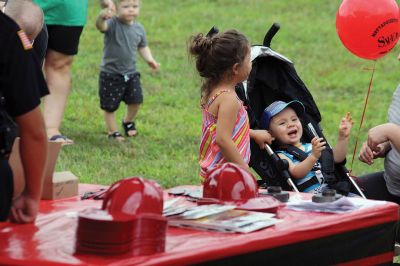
x: 6, y: 189
x: 40, y: 44
x: 374, y: 187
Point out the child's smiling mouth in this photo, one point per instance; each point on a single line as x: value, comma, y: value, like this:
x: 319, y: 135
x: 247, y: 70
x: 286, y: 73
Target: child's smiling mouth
x: 292, y: 133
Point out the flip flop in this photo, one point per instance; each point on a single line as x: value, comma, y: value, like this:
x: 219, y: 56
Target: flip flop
x: 62, y: 139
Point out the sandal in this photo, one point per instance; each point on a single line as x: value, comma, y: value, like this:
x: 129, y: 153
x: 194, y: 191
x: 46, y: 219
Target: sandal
x: 61, y: 139
x: 116, y: 136
x: 129, y: 127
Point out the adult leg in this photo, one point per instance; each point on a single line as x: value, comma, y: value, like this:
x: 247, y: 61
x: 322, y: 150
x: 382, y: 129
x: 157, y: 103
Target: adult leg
x: 57, y: 69
x: 40, y: 44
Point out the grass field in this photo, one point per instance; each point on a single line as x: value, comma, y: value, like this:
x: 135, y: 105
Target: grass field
x: 169, y: 122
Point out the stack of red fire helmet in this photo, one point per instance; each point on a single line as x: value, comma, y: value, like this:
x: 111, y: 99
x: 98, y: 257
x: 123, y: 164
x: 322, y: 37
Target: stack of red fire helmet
x: 130, y: 220
x: 149, y: 234
x: 100, y: 232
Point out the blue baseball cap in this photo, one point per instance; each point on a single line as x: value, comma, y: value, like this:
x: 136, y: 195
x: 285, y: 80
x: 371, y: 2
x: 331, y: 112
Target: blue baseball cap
x: 278, y: 106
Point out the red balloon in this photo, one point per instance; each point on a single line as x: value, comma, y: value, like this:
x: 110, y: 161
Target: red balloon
x: 368, y: 28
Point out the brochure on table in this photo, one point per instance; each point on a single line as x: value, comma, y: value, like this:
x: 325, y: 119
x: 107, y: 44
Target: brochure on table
x: 216, y: 217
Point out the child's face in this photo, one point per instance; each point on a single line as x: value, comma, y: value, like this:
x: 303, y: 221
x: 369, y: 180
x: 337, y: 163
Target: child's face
x: 128, y: 10
x: 286, y: 127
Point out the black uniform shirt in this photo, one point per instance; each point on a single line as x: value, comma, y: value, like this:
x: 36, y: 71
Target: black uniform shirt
x: 21, y: 78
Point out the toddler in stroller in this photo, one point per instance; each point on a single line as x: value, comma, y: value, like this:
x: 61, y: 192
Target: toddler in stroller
x: 274, y: 78
x: 283, y: 122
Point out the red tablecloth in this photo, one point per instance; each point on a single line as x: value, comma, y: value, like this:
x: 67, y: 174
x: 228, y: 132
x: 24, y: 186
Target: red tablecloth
x: 365, y: 236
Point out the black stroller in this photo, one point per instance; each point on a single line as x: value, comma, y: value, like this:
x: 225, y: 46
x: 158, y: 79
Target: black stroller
x: 273, y: 77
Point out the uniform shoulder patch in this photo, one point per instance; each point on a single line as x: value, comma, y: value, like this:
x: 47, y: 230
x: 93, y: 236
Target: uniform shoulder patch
x: 26, y: 43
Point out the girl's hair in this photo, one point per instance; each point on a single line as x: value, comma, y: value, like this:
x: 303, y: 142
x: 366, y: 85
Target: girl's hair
x: 215, y: 55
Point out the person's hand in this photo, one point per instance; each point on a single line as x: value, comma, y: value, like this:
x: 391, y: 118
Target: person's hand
x: 24, y: 209
x: 108, y: 4
x: 318, y: 145
x: 366, y: 154
x: 378, y: 135
x: 2, y: 6
x: 261, y: 137
x: 346, y: 124
x: 154, y: 65
x: 107, y: 13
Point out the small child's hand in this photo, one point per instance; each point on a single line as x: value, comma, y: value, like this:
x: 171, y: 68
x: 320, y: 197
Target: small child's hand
x: 154, y: 65
x: 107, y: 13
x: 318, y: 145
x: 108, y: 4
x: 346, y: 124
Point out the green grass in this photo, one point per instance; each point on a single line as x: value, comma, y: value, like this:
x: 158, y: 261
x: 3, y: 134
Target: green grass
x: 169, y: 122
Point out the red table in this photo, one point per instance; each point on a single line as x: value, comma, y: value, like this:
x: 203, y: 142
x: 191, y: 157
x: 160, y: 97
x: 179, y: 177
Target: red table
x: 363, y: 237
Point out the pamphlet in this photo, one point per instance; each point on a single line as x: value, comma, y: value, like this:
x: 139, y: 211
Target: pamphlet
x: 230, y: 220
x: 201, y: 211
x: 176, y: 206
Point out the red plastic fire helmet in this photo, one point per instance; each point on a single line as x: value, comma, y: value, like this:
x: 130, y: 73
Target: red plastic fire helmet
x: 230, y: 182
x: 134, y: 195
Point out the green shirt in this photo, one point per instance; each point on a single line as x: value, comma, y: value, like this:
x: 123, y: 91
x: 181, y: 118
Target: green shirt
x: 64, y: 12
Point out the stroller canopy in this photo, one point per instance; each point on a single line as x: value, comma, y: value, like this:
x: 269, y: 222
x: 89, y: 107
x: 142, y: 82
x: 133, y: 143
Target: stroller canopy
x: 273, y: 77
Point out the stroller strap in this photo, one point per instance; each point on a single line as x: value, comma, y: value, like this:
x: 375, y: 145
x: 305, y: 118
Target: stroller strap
x: 309, y: 183
x: 298, y: 154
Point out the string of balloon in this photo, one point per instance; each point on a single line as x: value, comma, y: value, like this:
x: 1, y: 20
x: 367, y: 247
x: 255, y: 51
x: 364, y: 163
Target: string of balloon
x: 362, y: 117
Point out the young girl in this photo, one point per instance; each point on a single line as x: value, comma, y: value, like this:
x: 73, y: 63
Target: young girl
x: 223, y: 60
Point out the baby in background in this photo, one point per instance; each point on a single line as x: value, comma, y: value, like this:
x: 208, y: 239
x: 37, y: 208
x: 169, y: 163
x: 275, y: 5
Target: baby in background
x: 119, y: 78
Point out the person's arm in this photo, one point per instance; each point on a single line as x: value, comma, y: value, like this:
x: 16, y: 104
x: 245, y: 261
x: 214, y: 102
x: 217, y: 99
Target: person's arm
x: 227, y: 114
x: 33, y: 149
x: 301, y: 169
x: 261, y: 137
x: 148, y: 57
x: 101, y: 21
x: 383, y: 133
x: 340, y: 150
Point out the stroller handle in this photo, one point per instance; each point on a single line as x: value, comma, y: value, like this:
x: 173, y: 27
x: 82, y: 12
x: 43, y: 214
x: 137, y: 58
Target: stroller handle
x: 270, y: 34
x: 214, y: 30
x: 282, y: 167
